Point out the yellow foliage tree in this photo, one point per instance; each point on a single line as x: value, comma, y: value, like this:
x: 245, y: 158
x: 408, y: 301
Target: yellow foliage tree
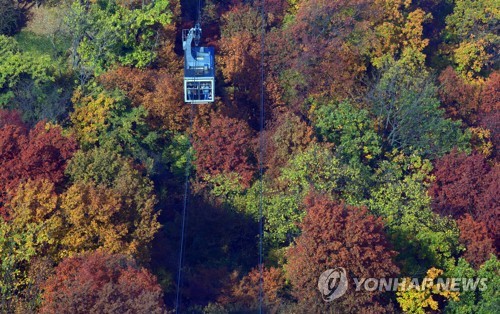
x: 399, y: 30
x: 471, y: 57
x: 91, y: 115
x: 119, y: 218
x: 414, y: 298
x: 31, y: 231
x: 34, y: 207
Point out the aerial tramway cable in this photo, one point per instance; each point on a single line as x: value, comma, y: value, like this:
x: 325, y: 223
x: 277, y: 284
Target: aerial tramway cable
x: 261, y: 173
x: 184, y: 209
x: 187, y: 171
x: 261, y: 158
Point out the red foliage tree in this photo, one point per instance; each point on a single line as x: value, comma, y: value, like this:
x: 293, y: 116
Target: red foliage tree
x: 223, y: 146
x: 467, y: 185
x: 490, y: 96
x: 314, y: 55
x: 11, y: 117
x: 488, y: 207
x: 459, y: 183
x: 101, y: 283
x: 337, y: 235
x: 460, y: 98
x: 489, y: 114
x: 474, y: 235
x: 276, y: 10
x: 40, y: 153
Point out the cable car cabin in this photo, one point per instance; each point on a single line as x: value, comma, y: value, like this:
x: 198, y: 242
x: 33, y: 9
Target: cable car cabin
x: 199, y: 69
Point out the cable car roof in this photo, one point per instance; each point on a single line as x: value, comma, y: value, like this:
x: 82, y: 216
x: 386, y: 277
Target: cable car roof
x: 201, y: 64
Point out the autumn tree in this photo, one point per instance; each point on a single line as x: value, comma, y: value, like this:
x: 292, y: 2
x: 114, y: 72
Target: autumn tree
x: 224, y: 146
x: 478, y: 243
x: 157, y: 91
x: 399, y: 195
x: 474, y: 102
x: 467, y: 185
x: 337, y: 235
x: 398, y: 30
x: 318, y: 51
x: 30, y: 239
x: 39, y: 153
x: 426, y: 297
x: 405, y: 99
x: 110, y: 206
x: 458, y: 186
x: 244, y: 294
x: 240, y: 58
x: 460, y: 98
x: 101, y: 282
x: 490, y: 107
x: 11, y: 117
x: 285, y: 137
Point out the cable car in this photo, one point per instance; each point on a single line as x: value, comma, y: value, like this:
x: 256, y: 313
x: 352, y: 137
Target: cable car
x: 199, y: 68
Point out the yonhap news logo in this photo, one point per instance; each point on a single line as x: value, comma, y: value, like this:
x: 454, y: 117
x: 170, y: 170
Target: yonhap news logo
x: 333, y: 284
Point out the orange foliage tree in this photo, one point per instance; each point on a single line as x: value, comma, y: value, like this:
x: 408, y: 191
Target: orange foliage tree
x: 157, y: 90
x: 474, y: 235
x: 245, y: 293
x: 240, y: 58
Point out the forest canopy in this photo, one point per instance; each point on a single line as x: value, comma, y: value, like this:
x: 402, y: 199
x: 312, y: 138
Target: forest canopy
x: 369, y: 142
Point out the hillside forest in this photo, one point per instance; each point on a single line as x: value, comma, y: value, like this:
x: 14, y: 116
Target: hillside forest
x: 378, y: 154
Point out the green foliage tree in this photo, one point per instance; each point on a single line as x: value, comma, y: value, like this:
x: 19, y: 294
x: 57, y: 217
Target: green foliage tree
x: 473, y: 26
x: 480, y: 301
x: 422, y: 237
x: 104, y: 33
x: 315, y: 169
x: 25, y: 81
x: 106, y: 118
x: 350, y: 129
x: 405, y: 99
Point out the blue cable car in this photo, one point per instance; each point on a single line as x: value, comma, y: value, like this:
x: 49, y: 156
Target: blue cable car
x: 199, y: 68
